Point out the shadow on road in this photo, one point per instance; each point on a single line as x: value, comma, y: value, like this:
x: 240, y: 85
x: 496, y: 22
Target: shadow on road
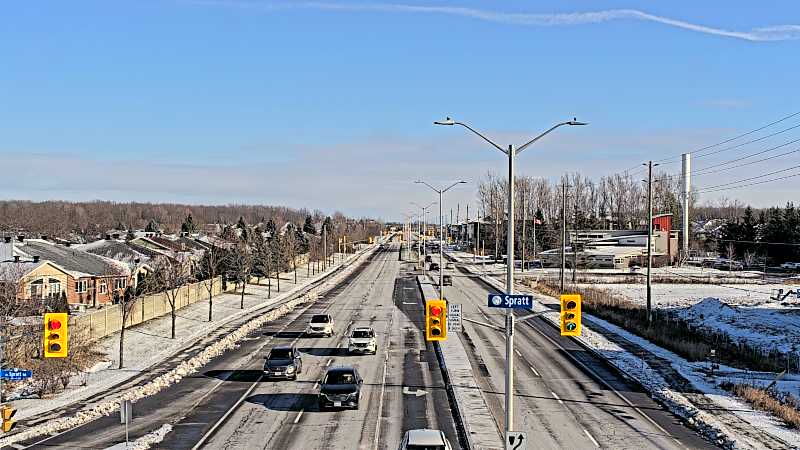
x: 323, y: 351
x: 285, y: 402
x: 240, y: 376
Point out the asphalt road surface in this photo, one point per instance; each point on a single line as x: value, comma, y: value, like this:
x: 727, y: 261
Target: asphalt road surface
x: 230, y: 406
x: 565, y: 397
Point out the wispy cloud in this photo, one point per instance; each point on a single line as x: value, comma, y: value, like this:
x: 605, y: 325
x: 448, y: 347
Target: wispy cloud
x: 761, y: 34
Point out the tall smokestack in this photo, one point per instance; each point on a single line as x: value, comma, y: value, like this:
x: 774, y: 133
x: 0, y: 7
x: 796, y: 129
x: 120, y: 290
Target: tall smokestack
x: 687, y: 187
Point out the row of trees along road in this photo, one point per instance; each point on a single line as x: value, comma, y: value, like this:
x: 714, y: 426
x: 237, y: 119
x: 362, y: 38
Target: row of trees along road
x: 773, y: 234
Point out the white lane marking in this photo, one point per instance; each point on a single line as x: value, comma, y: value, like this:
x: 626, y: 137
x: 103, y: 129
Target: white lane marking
x: 409, y: 303
x: 315, y: 385
x: 518, y: 353
x: 328, y: 363
x: 555, y: 396
x: 594, y: 441
x: 608, y: 385
x: 534, y: 371
x: 297, y: 419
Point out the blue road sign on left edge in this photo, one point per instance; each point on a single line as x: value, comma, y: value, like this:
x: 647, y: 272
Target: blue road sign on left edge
x: 15, y: 374
x: 510, y: 301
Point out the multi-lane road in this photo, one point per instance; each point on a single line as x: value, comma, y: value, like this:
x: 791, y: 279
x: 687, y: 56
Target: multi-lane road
x: 566, y: 397
x: 230, y: 406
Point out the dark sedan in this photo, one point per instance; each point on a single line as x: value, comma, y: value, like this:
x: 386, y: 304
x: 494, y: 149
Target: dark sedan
x: 340, y: 388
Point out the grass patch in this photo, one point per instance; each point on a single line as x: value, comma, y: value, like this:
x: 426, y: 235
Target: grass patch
x: 783, y: 405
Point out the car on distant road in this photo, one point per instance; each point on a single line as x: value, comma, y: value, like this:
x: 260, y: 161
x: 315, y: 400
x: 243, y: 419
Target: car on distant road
x: 434, y: 266
x: 428, y: 258
x: 424, y: 439
x: 340, y: 388
x: 727, y: 264
x: 320, y: 324
x: 790, y: 266
x: 283, y: 361
x: 362, y: 340
x: 447, y: 280
x: 449, y: 266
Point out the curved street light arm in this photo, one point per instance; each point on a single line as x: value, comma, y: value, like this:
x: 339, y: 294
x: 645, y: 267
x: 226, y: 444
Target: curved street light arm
x: 482, y: 136
x: 525, y: 145
x: 453, y: 185
x: 438, y: 191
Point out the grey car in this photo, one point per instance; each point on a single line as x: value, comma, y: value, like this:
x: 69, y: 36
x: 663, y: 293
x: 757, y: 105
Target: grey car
x: 283, y: 362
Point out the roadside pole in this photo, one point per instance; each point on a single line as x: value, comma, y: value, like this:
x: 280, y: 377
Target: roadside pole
x: 649, y: 238
x: 563, y: 231
x: 524, y: 224
x: 510, y: 291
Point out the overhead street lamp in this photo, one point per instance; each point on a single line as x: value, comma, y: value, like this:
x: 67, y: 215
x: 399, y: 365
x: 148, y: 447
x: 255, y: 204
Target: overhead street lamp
x: 441, y: 230
x: 511, y: 151
x: 423, y: 229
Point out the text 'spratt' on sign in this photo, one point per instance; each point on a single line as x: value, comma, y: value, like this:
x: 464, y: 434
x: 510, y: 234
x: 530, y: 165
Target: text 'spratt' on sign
x: 510, y: 301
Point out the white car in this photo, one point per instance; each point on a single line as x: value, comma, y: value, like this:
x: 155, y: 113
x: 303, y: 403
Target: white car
x: 790, y: 266
x: 362, y: 340
x: 424, y: 439
x: 320, y: 324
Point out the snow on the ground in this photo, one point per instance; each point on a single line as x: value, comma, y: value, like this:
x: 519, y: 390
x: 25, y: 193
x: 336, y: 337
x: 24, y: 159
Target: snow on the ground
x: 705, y: 421
x: 745, y: 312
x: 150, y: 343
x: 187, y: 367
x: 146, y: 441
x: 696, y: 374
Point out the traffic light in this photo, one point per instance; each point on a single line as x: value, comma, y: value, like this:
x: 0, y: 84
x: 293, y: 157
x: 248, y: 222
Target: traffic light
x: 435, y: 320
x: 8, y: 412
x: 56, y: 338
x: 571, y: 315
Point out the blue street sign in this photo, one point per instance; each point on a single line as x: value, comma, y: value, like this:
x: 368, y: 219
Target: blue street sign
x: 510, y: 301
x: 15, y: 374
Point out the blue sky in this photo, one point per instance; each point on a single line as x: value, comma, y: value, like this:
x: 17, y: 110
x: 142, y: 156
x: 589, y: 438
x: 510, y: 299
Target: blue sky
x: 329, y: 105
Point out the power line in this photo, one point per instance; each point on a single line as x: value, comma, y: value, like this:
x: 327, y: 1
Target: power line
x: 746, y: 143
x: 753, y: 184
x: 735, y: 137
x: 749, y: 179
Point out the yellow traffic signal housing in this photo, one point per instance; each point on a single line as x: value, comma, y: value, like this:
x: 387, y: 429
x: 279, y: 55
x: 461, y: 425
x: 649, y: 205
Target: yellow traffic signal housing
x: 7, y: 412
x: 435, y: 320
x: 571, y: 315
x: 56, y: 337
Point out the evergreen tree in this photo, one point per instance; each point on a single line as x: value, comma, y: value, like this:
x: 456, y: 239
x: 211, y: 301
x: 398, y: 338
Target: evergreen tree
x: 241, y: 224
x: 152, y: 226
x: 188, y: 225
x: 309, y: 227
x: 271, y: 228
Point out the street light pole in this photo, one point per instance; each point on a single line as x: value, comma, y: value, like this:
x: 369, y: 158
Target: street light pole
x: 511, y: 152
x: 441, y: 231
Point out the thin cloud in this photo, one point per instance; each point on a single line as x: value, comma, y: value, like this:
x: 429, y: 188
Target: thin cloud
x: 761, y: 34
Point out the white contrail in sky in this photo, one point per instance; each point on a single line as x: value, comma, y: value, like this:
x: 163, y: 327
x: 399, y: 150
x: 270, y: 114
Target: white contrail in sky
x: 771, y: 33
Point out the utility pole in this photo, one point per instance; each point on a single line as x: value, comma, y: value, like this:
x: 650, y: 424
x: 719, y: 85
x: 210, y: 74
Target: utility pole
x: 649, y: 238
x: 325, y: 246
x: 574, y: 242
x: 524, y: 224
x: 563, y: 231
x: 687, y: 186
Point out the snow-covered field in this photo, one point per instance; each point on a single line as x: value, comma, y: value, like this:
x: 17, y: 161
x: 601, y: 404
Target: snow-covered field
x: 745, y: 312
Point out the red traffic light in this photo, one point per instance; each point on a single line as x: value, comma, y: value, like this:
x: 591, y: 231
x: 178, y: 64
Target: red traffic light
x: 54, y: 324
x: 436, y: 310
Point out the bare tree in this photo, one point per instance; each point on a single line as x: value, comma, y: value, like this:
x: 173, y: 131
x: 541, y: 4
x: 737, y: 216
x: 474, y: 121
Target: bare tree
x: 169, y: 276
x: 209, y: 270
x: 127, y: 300
x: 240, y: 263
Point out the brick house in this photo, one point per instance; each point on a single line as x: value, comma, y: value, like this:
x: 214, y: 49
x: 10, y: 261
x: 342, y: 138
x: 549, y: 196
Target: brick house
x: 92, y: 279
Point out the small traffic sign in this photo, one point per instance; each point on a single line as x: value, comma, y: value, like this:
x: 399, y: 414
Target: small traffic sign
x: 515, y: 440
x: 454, y: 317
x: 15, y: 374
x: 510, y: 301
